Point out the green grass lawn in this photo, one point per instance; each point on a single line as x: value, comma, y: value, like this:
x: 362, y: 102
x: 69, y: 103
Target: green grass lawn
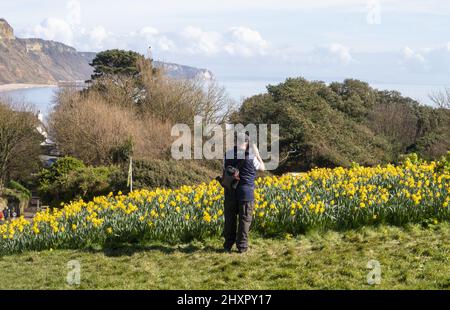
x: 411, y: 258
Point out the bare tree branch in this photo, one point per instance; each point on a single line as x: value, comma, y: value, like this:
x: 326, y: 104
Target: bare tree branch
x: 441, y: 98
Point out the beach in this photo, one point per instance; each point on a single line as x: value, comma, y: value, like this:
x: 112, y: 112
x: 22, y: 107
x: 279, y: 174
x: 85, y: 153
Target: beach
x: 17, y: 86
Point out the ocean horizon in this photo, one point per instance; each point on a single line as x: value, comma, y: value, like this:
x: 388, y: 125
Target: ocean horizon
x: 42, y: 98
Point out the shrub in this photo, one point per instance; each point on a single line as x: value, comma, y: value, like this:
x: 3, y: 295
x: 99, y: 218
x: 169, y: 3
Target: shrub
x: 88, y: 182
x: 17, y: 193
x: 69, y: 179
x: 89, y: 127
x: 61, y: 167
x: 165, y: 173
x: 444, y: 164
x: 411, y: 157
x: 19, y: 188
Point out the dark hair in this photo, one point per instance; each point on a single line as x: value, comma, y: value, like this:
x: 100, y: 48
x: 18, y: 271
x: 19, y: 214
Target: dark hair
x: 246, y: 137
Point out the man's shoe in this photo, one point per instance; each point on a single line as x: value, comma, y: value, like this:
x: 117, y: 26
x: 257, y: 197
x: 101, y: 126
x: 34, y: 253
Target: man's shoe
x: 242, y: 250
x: 227, y: 250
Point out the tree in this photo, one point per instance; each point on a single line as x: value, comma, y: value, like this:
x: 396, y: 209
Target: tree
x: 314, y: 128
x: 115, y: 62
x: 19, y: 142
x: 341, y: 123
x: 356, y: 98
x: 214, y: 105
x: 70, y: 179
x: 128, y: 78
x: 117, y: 75
x: 396, y: 118
x: 179, y: 100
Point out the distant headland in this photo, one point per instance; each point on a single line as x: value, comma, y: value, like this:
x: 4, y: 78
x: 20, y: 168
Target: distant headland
x: 33, y: 62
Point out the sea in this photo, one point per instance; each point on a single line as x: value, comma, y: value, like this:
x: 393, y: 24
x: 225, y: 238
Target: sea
x: 42, y: 98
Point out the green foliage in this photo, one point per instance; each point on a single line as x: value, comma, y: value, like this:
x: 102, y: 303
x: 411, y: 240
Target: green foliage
x: 317, y: 133
x: 48, y: 178
x: 443, y: 164
x: 14, y: 195
x: 62, y: 167
x: 164, y: 173
x: 112, y: 62
x: 337, y: 124
x: 69, y: 179
x: 89, y: 182
x: 433, y: 128
x: 23, y: 192
x: 355, y: 98
x: 123, y: 152
x: 16, y: 192
x: 413, y: 158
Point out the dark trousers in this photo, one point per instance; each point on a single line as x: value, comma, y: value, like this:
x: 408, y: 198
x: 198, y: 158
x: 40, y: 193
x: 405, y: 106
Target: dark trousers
x: 238, y: 218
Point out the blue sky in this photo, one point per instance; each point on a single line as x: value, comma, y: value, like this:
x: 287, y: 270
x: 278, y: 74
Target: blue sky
x: 394, y: 44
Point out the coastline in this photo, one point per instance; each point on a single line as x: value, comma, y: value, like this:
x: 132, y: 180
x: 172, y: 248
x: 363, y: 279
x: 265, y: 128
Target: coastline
x: 17, y: 86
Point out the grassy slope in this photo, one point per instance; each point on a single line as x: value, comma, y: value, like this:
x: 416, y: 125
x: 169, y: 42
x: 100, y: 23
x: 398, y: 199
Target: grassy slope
x: 411, y: 258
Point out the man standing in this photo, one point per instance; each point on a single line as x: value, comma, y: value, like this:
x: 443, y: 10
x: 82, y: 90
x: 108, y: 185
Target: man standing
x: 239, y: 202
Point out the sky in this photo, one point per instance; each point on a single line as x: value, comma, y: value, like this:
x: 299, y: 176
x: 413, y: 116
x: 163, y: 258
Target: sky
x: 392, y: 44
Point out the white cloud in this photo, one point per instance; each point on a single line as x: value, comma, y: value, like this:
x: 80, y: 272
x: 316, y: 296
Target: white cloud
x: 414, y: 61
x: 150, y: 36
x: 54, y: 29
x: 59, y: 30
x: 70, y: 32
x: 236, y: 41
x: 200, y: 41
x: 239, y: 41
x: 411, y: 55
x: 342, y: 53
x: 97, y: 37
x: 246, y: 42
x: 434, y: 60
x: 437, y: 60
x: 149, y: 31
x: 334, y: 53
x: 165, y: 44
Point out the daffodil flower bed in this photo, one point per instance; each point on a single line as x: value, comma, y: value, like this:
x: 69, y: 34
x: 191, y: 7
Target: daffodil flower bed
x: 287, y: 205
